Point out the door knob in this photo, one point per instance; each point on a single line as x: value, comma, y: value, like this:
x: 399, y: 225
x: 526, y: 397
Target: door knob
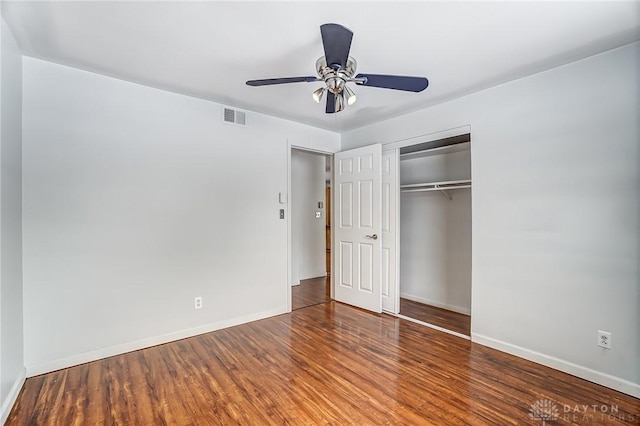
x: 372, y: 237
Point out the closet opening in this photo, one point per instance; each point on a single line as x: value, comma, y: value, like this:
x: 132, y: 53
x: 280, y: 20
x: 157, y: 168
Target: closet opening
x: 435, y: 234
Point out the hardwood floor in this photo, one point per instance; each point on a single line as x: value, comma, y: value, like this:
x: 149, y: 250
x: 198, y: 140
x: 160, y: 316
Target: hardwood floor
x: 325, y: 364
x: 309, y: 292
x: 437, y: 316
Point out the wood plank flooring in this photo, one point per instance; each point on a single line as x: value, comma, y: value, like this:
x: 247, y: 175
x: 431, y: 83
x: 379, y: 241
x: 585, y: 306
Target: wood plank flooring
x: 437, y: 316
x: 309, y: 292
x: 325, y: 364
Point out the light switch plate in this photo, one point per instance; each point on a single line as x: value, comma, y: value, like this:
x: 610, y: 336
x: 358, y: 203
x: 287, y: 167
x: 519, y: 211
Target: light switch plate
x: 318, y: 215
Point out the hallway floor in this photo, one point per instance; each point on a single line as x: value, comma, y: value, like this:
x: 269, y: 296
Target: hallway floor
x: 309, y: 292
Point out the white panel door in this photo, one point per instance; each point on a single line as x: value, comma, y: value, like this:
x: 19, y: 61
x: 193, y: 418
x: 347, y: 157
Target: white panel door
x: 390, y: 231
x: 358, y: 238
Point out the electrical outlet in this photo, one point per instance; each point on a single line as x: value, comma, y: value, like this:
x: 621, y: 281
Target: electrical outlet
x: 198, y: 302
x: 604, y: 339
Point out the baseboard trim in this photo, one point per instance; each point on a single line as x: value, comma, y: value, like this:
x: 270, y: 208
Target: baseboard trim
x: 453, y: 308
x: 612, y: 382
x: 82, y: 358
x: 320, y: 275
x: 314, y: 276
x: 12, y: 396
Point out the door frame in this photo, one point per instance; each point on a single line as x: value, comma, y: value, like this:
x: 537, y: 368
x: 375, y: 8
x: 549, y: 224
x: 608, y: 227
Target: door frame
x: 287, y: 207
x: 394, y: 227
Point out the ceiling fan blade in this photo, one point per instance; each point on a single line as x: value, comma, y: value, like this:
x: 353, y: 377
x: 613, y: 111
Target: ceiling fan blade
x: 336, y: 40
x: 331, y: 103
x: 269, y: 81
x: 395, y: 82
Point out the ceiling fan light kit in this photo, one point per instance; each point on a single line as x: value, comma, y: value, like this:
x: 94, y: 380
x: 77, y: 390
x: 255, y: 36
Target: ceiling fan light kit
x: 349, y: 95
x: 318, y: 94
x: 336, y: 68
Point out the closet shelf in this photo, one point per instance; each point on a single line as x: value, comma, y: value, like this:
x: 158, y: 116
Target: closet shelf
x: 428, y: 152
x: 437, y: 186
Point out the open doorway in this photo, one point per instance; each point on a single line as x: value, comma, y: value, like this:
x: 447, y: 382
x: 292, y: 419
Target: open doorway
x: 310, y: 228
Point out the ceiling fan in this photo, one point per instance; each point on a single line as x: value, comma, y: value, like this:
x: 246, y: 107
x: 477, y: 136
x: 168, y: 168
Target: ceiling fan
x: 336, y: 68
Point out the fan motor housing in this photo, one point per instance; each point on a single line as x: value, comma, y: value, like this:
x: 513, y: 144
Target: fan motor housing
x: 337, y: 77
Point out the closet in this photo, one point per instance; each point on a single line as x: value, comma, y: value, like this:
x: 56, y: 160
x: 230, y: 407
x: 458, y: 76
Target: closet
x: 435, y: 233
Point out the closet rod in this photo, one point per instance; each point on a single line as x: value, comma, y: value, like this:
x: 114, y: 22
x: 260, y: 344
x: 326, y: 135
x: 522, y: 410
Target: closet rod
x: 449, y: 183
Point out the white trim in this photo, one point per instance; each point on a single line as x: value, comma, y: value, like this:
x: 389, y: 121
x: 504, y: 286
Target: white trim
x: 315, y: 151
x: 12, y: 396
x: 332, y: 228
x: 394, y: 218
x: 34, y: 370
x: 289, y: 240
x: 612, y: 382
x: 453, y: 308
x: 398, y: 229
x: 435, y: 327
x: 414, y: 140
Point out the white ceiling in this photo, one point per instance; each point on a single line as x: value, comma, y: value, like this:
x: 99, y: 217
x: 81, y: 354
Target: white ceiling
x: 209, y: 49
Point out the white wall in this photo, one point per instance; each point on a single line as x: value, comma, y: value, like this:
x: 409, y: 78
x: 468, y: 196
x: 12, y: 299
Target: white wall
x: 136, y: 201
x: 555, y: 168
x: 307, y: 232
x: 435, y: 233
x: 12, y: 370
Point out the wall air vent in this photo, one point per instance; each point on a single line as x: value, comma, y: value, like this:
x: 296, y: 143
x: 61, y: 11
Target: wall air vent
x: 233, y: 116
